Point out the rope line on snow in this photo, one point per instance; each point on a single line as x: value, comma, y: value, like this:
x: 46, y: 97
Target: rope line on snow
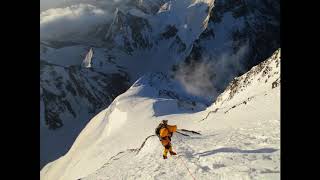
x: 185, y: 163
x: 187, y: 168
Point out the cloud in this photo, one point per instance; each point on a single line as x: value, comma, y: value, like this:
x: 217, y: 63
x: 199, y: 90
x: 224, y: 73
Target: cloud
x: 75, y: 20
x: 209, y: 76
x: 48, y: 4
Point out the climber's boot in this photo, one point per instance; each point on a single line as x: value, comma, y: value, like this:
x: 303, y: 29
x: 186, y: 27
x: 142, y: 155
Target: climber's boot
x: 173, y: 153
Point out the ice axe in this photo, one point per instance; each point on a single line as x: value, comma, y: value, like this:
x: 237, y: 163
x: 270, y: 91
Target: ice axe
x: 185, y: 130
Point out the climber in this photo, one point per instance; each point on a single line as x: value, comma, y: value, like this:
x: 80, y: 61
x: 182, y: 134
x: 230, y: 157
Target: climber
x: 165, y: 132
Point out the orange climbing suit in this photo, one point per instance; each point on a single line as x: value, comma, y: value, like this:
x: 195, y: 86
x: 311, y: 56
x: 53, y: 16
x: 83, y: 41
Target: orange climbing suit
x: 165, y: 135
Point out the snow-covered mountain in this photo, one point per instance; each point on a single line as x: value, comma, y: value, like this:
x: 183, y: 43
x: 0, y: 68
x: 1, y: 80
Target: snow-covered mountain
x: 138, y: 40
x: 69, y: 96
x: 145, y: 36
x: 238, y: 136
x: 239, y: 35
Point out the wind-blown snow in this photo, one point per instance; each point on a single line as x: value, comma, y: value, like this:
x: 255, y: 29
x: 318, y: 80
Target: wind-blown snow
x: 240, y: 135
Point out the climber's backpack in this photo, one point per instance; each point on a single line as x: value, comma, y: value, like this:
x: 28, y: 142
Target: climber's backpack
x: 157, y: 130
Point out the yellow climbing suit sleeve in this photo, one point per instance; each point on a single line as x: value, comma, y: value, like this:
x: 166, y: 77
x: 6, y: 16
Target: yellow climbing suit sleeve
x: 164, y: 132
x: 172, y: 128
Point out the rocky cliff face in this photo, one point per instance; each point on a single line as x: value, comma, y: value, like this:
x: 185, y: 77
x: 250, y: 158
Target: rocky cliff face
x: 240, y: 34
x: 68, y: 97
x: 63, y: 90
x: 266, y: 75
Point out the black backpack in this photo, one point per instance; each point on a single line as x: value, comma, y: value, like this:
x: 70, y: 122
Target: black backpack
x: 157, y: 130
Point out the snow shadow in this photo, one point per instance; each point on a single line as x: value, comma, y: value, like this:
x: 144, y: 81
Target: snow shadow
x: 173, y: 106
x: 236, y: 150
x: 168, y: 106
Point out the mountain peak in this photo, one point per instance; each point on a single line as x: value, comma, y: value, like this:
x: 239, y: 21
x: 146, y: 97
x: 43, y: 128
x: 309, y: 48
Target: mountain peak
x: 88, y: 59
x: 266, y: 74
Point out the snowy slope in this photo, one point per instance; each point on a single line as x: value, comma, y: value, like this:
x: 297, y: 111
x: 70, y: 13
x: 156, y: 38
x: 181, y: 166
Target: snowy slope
x: 144, y: 36
x: 240, y: 133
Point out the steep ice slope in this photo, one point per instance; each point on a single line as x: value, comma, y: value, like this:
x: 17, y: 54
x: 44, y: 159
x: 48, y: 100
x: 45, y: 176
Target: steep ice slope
x: 223, y: 152
x: 241, y: 140
x: 111, y: 130
x: 240, y: 134
x: 226, y: 148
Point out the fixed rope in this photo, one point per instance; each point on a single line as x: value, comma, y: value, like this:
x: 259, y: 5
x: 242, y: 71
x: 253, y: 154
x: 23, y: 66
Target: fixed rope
x: 185, y: 165
x: 187, y: 168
